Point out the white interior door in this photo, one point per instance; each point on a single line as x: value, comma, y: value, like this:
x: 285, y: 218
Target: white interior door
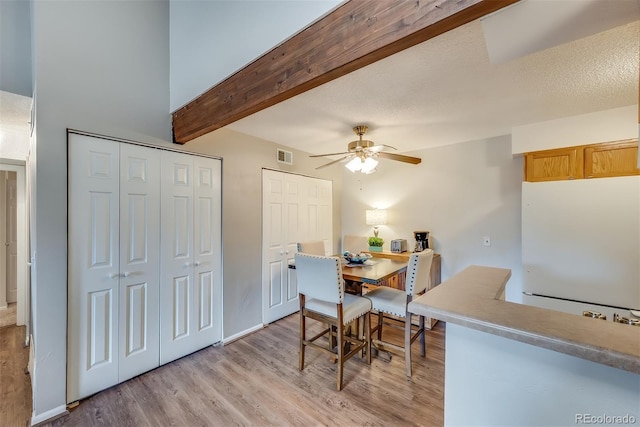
x: 176, y: 256
x: 295, y: 209
x: 280, y: 230
x: 12, y: 237
x: 93, y: 293
x: 190, y: 291
x: 207, y: 293
x: 3, y: 240
x: 139, y: 330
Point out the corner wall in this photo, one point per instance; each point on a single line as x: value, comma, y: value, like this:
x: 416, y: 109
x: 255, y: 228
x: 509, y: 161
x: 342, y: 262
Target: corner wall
x: 460, y: 193
x: 102, y: 67
x: 243, y: 159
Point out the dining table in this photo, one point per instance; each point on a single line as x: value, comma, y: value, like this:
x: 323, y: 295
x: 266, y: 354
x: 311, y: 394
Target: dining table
x: 375, y: 271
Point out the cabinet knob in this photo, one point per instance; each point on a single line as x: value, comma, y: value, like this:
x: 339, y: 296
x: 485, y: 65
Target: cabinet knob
x: 197, y: 263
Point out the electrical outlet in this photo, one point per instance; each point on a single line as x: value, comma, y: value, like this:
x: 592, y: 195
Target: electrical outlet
x: 486, y: 241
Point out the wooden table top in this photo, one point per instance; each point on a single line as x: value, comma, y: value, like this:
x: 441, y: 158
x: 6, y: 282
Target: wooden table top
x: 379, y: 270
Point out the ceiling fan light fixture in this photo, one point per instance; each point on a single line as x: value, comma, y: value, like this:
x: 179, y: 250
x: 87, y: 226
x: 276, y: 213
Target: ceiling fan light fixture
x: 354, y: 165
x: 369, y: 165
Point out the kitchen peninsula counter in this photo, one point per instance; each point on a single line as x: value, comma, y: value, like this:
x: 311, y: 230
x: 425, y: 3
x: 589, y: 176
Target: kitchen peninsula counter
x: 474, y: 298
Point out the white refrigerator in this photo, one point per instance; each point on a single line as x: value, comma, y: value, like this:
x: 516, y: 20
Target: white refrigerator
x: 581, y: 245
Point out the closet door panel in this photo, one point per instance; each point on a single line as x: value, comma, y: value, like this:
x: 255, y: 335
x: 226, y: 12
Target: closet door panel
x: 207, y: 256
x: 93, y: 269
x: 177, y: 229
x: 139, y: 260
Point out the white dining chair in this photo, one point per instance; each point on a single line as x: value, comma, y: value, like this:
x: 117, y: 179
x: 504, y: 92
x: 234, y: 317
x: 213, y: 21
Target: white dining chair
x: 390, y: 301
x: 322, y: 298
x: 313, y: 247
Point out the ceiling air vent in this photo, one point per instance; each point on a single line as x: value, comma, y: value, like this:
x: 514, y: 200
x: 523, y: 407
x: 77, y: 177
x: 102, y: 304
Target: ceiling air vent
x: 285, y: 156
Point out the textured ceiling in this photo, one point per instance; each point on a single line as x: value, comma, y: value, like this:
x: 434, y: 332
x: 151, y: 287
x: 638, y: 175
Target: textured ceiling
x: 445, y: 91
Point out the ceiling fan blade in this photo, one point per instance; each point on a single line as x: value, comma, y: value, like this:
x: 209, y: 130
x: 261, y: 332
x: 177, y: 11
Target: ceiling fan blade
x: 379, y: 147
x: 400, y: 157
x: 329, y: 154
x: 335, y: 161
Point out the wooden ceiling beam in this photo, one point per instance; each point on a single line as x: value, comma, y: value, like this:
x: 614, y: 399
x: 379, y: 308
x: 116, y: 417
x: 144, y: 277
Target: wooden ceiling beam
x: 354, y: 35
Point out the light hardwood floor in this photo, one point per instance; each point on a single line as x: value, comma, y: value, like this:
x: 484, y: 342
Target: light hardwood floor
x: 8, y: 315
x: 15, y: 387
x: 255, y: 381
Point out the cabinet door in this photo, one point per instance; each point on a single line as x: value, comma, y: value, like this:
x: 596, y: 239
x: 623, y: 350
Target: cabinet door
x: 93, y: 291
x: 139, y: 260
x: 611, y: 159
x: 554, y: 165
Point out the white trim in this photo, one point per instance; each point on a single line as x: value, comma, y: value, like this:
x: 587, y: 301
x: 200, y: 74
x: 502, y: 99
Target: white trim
x: 48, y: 415
x: 242, y: 334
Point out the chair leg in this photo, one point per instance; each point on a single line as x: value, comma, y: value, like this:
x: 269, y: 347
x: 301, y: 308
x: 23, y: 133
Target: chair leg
x: 422, y: 338
x: 302, y: 334
x: 367, y: 336
x: 380, y: 318
x: 407, y: 344
x: 340, y: 353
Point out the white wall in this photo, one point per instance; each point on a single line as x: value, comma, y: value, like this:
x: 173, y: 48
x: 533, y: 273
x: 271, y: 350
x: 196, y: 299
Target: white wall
x: 602, y: 126
x: 210, y: 40
x: 14, y: 126
x: 460, y: 193
x: 15, y: 47
x: 103, y: 67
x: 495, y: 381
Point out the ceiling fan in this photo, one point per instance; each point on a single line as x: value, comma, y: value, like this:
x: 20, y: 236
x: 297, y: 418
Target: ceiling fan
x: 363, y: 155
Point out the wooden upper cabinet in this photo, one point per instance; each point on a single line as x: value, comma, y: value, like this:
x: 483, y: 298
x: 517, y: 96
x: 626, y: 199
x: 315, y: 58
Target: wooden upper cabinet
x: 618, y: 158
x: 612, y: 159
x: 554, y: 165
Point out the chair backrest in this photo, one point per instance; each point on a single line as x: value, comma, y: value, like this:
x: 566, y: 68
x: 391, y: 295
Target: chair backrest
x: 313, y: 247
x: 355, y: 244
x: 320, y: 277
x: 419, y: 272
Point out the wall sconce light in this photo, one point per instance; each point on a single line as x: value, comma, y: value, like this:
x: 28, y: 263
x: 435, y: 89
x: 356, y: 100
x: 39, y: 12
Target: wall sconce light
x: 376, y: 217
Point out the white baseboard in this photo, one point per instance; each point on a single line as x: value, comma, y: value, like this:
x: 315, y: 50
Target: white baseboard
x: 239, y: 335
x: 48, y: 415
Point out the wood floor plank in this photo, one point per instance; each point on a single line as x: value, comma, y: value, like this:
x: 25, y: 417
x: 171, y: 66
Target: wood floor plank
x: 255, y: 381
x: 15, y: 385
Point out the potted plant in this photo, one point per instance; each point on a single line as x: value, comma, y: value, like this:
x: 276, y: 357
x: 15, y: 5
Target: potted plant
x: 375, y: 244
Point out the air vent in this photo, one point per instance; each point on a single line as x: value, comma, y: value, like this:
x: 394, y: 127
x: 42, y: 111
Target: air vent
x: 285, y: 156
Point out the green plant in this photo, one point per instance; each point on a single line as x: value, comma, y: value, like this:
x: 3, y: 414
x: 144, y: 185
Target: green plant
x: 375, y: 241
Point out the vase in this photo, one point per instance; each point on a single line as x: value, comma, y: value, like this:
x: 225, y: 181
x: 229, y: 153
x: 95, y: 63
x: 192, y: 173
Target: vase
x: 375, y: 248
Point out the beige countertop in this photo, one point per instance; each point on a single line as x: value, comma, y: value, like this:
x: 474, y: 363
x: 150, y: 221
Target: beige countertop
x: 474, y: 298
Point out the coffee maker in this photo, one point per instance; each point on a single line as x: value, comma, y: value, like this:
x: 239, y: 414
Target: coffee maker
x: 422, y: 240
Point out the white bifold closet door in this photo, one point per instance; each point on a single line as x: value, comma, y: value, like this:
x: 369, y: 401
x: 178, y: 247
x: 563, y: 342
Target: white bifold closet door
x: 295, y: 209
x: 113, y: 263
x: 191, y: 262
